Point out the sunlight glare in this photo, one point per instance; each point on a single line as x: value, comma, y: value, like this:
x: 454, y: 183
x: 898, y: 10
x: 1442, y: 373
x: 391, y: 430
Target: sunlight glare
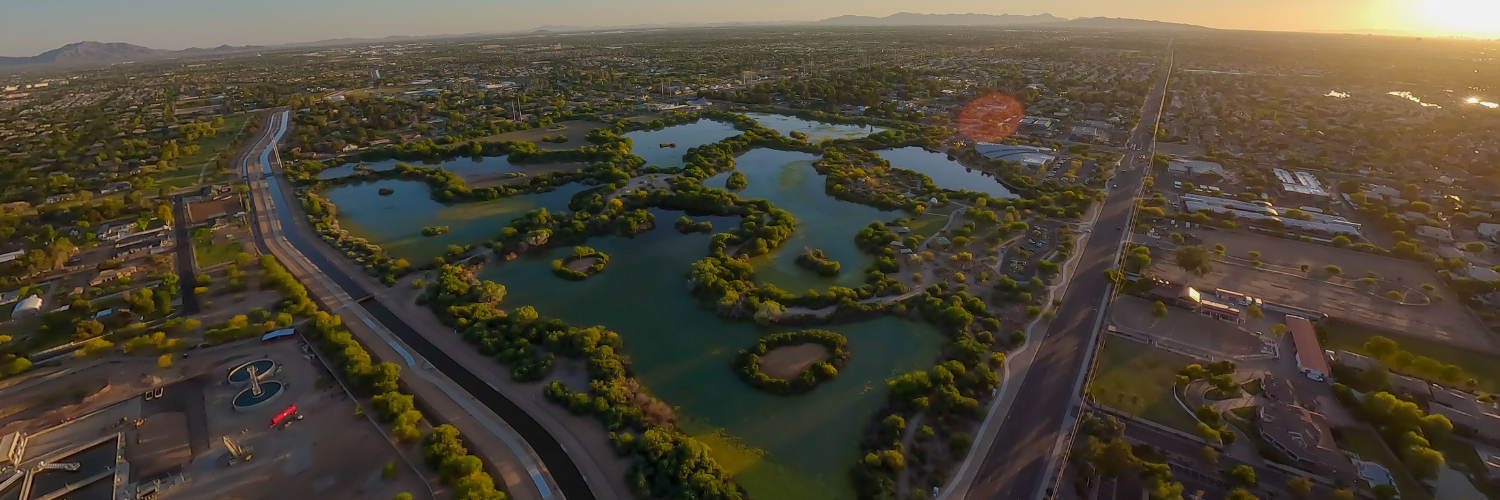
x: 1463, y: 17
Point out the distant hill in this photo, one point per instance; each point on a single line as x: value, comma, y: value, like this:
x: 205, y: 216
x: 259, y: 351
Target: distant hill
x: 82, y: 53
x: 910, y: 19
x: 1116, y: 23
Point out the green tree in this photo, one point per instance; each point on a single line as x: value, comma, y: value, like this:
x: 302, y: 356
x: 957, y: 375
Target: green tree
x: 1241, y: 474
x: 1300, y: 487
x: 1194, y: 259
x: 1159, y: 310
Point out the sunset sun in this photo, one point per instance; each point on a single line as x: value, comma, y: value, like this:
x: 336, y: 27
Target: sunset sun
x: 1464, y: 17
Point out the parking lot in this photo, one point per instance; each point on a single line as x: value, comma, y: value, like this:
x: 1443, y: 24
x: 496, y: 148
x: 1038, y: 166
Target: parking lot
x: 1183, y: 329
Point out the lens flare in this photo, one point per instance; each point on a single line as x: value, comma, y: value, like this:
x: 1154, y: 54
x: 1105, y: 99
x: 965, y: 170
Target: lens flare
x: 991, y: 118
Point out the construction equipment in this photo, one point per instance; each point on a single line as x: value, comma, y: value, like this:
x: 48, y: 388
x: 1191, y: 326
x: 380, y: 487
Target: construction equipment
x: 237, y: 453
x: 64, y: 466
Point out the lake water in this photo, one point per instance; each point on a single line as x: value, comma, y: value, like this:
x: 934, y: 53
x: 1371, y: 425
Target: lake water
x: 946, y: 173
x: 460, y: 166
x: 395, y: 221
x: 788, y: 180
x: 647, y: 143
x: 816, y: 131
x: 682, y: 353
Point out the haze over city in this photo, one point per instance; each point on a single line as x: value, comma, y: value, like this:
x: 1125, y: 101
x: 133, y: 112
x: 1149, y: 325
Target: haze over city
x: 28, y: 28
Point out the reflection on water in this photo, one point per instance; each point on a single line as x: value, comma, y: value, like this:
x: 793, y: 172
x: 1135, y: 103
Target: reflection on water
x: 1413, y: 98
x: 682, y: 352
x: 395, y: 221
x: 789, y: 181
x: 1487, y: 104
x: 460, y: 166
x: 665, y: 147
x: 816, y: 131
x: 946, y: 173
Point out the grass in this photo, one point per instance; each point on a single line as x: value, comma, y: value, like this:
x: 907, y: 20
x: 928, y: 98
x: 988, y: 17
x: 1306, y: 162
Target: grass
x: 210, y: 146
x: 1138, y: 379
x: 1369, y: 447
x: 1477, y: 365
x: 1462, y: 458
x: 210, y: 255
x: 926, y: 225
x: 576, y: 131
x: 761, y: 477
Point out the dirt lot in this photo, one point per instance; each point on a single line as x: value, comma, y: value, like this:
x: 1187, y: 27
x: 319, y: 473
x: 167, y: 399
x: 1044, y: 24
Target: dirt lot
x: 574, y: 130
x: 1183, y: 329
x: 581, y: 265
x: 790, y: 361
x: 1444, y: 320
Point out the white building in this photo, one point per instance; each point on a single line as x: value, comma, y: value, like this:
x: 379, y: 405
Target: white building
x: 1263, y: 210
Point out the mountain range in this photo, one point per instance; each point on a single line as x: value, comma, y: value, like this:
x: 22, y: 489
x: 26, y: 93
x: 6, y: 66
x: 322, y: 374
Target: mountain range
x: 99, y: 53
x: 83, y: 53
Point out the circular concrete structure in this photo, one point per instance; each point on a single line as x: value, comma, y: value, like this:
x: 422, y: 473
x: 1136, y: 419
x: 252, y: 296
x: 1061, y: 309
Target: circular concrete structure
x: 240, y: 375
x: 248, y: 400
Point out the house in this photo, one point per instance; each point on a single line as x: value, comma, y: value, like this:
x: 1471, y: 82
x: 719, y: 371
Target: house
x: 1481, y: 273
x: 1304, y: 437
x: 207, y: 212
x: 1310, y: 358
x: 1491, y: 231
x: 1435, y: 233
x: 11, y: 251
x: 109, y: 275
x: 28, y: 307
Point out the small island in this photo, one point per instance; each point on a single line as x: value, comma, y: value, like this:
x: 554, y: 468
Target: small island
x: 686, y: 225
x: 386, y: 191
x: 815, y: 260
x: 793, y: 362
x: 583, y: 263
x: 430, y: 231
x: 736, y: 181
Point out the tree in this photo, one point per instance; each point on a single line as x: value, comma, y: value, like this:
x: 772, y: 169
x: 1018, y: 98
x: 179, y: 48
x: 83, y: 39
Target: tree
x: 1254, y: 312
x: 1333, y: 270
x: 1241, y: 474
x: 1194, y: 259
x: 1343, y: 495
x: 1159, y: 310
x: 164, y: 361
x: 1300, y: 486
x: 1424, y: 462
x: 1209, y: 454
x: 1278, y: 330
x: 1240, y: 494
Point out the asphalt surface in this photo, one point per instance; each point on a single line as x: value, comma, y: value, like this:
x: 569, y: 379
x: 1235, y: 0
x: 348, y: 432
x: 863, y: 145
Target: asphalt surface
x: 1014, y: 468
x: 186, y: 266
x: 552, y: 454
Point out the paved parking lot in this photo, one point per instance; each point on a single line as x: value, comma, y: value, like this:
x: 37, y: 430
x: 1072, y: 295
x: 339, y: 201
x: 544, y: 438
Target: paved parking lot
x: 1184, y: 328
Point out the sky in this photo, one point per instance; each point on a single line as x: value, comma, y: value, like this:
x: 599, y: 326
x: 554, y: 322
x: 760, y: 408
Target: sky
x: 29, y: 27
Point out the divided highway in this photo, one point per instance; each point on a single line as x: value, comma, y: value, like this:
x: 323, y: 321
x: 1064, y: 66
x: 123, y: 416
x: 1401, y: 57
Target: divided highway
x: 1016, y: 466
x: 557, y: 462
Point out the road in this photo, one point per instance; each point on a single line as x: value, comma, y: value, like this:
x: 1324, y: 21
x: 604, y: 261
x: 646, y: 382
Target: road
x: 1017, y: 464
x: 556, y: 461
x: 186, y: 263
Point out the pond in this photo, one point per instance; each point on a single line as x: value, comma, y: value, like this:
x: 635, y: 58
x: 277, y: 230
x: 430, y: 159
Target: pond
x: 461, y: 166
x: 788, y: 180
x: 395, y: 221
x: 946, y: 173
x: 647, y: 144
x: 816, y: 131
x: 682, y: 353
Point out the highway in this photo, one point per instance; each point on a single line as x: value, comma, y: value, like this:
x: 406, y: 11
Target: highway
x: 1018, y: 463
x: 554, y: 457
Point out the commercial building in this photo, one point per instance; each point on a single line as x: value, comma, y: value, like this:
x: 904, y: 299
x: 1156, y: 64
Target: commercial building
x: 1263, y: 211
x: 1032, y: 157
x: 1196, y: 168
x: 1310, y: 358
x: 1302, y: 183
